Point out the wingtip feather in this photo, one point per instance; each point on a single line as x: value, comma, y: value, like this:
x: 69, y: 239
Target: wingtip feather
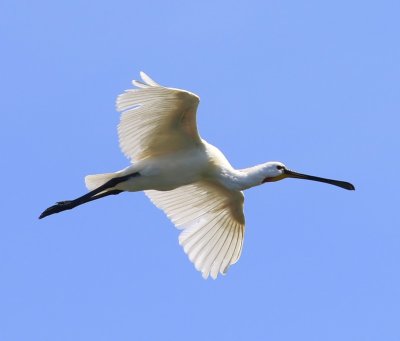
x: 147, y: 79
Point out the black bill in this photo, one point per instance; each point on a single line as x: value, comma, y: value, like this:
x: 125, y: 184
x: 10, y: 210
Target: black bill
x: 342, y: 184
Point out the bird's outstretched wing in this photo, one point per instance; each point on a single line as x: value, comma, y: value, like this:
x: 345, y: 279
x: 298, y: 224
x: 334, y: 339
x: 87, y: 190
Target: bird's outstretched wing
x: 212, y: 221
x: 156, y: 120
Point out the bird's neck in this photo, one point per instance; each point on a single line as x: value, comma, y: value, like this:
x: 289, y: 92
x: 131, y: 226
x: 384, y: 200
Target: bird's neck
x: 241, y: 179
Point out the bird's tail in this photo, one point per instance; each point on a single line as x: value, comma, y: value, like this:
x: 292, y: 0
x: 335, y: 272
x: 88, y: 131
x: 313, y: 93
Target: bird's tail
x: 95, y: 181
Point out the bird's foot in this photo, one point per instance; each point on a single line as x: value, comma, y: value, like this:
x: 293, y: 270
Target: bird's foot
x: 57, y: 208
x: 63, y: 203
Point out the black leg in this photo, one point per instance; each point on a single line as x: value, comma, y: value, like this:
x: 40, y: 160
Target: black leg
x: 92, y: 195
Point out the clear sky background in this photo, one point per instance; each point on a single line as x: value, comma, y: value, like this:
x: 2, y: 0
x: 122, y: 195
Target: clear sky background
x: 314, y: 84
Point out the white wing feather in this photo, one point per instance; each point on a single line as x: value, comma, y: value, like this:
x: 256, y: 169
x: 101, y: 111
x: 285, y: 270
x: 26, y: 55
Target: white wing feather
x: 156, y: 120
x: 212, y: 221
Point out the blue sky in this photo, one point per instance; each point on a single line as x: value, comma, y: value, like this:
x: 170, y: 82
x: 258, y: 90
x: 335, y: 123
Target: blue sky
x: 313, y: 84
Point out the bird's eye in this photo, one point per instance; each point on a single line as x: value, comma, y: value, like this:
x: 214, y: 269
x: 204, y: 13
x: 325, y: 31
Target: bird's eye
x: 279, y: 167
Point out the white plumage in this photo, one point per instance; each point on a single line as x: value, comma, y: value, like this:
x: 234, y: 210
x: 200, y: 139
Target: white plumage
x: 212, y: 221
x: 158, y: 121
x: 189, y: 179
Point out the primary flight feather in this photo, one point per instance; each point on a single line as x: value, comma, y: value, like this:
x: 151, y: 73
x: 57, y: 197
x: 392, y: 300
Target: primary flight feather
x: 182, y: 174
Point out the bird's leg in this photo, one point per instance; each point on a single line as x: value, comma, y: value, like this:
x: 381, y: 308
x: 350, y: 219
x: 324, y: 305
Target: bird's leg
x: 74, y: 203
x: 92, y: 195
x: 70, y: 204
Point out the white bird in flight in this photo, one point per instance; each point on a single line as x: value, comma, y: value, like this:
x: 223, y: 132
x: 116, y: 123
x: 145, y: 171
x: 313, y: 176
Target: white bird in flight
x: 182, y: 174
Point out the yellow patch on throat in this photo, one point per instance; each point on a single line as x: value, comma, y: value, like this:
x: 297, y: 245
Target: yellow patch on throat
x: 275, y: 178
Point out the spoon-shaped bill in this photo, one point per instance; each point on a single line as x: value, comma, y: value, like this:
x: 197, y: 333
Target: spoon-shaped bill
x: 342, y: 184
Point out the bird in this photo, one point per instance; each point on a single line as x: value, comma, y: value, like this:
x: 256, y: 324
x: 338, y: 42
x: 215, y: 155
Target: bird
x: 182, y: 174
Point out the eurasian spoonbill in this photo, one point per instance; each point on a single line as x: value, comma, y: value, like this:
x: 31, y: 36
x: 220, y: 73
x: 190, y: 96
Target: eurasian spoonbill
x: 182, y: 174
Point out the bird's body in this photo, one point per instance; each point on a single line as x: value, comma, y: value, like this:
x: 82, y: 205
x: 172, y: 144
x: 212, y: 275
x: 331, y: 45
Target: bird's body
x: 204, y: 162
x: 188, y: 178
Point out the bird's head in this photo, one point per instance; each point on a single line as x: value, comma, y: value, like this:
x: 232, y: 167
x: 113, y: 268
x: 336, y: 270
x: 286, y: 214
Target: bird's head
x: 275, y: 171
